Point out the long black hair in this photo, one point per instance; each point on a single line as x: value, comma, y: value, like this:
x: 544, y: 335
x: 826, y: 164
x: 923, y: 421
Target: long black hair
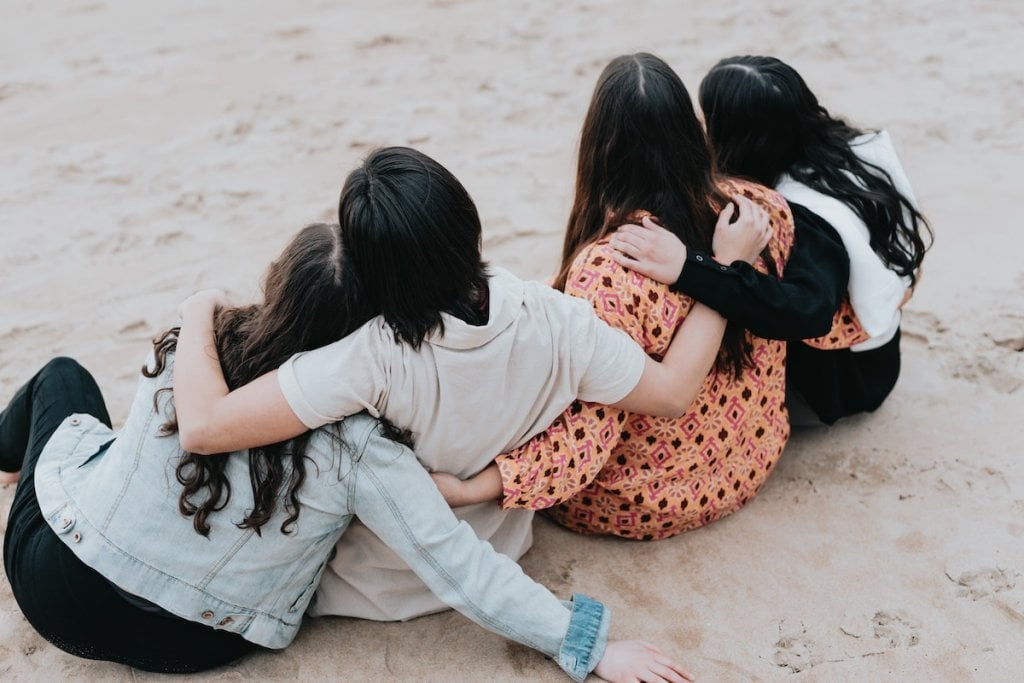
x: 310, y: 299
x: 764, y: 121
x: 414, y: 233
x: 643, y: 148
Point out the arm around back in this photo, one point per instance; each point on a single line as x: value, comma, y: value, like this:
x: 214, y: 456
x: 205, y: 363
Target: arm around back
x: 627, y: 306
x: 395, y: 498
x: 667, y: 388
x: 212, y: 419
x: 798, y: 305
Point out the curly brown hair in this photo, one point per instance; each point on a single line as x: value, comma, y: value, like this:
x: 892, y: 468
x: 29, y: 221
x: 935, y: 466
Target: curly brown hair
x: 309, y: 300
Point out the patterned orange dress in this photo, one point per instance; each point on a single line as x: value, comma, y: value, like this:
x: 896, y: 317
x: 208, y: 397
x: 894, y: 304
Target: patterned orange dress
x: 606, y: 471
x: 846, y: 330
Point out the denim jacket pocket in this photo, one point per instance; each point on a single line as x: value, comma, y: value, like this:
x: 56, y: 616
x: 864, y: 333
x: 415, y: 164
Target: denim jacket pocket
x: 100, y: 450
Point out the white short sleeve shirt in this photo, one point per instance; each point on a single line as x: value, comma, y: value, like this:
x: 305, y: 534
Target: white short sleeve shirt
x: 467, y: 394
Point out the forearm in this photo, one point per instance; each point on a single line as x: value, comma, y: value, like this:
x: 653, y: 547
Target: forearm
x: 667, y: 388
x: 480, y: 488
x: 693, y: 352
x: 395, y: 498
x: 212, y: 419
x: 758, y: 302
x: 799, y: 305
x: 198, y: 378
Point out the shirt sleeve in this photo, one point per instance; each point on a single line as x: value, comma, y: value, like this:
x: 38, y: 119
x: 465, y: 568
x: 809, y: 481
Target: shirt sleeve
x: 395, y: 498
x: 330, y: 383
x: 800, y: 305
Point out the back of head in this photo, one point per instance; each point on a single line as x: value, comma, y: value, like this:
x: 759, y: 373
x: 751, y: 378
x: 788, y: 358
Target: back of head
x: 758, y: 110
x: 642, y: 147
x: 763, y: 121
x: 413, y: 234
x: 310, y: 299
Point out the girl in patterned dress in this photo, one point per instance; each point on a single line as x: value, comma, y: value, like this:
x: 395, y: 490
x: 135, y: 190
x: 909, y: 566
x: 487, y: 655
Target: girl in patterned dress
x: 643, y: 154
x: 859, y: 240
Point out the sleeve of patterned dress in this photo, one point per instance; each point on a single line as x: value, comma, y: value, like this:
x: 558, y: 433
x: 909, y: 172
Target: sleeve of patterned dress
x: 561, y: 461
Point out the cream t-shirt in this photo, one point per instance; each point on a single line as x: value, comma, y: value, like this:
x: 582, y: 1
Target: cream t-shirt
x: 467, y: 394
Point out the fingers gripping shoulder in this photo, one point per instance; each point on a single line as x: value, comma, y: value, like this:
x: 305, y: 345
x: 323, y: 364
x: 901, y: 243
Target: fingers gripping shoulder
x: 780, y: 217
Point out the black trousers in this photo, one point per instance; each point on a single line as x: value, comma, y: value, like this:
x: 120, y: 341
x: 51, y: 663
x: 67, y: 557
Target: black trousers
x: 839, y: 383
x: 67, y: 602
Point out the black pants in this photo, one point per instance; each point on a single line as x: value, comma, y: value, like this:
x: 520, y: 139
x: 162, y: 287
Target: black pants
x: 67, y: 602
x: 840, y: 383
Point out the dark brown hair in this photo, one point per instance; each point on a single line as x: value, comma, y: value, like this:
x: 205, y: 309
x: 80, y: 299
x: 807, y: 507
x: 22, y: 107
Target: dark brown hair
x: 642, y: 148
x: 309, y: 300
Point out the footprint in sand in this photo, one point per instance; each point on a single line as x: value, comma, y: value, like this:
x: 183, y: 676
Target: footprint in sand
x: 983, y: 582
x: 922, y: 327
x: 1001, y: 365
x: 291, y: 32
x: 8, y: 90
x: 994, y: 358
x: 1006, y: 330
x: 382, y: 40
x: 896, y: 629
x: 795, y: 651
x: 885, y: 630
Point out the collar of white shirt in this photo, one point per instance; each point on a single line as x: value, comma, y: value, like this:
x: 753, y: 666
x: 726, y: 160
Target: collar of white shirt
x: 505, y: 301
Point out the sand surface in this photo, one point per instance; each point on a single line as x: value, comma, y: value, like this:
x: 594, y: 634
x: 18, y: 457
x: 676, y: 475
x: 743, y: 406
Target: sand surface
x: 149, y: 149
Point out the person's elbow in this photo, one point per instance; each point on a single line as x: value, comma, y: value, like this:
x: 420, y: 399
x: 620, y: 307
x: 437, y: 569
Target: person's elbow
x: 673, y: 406
x: 817, y: 323
x: 198, y: 438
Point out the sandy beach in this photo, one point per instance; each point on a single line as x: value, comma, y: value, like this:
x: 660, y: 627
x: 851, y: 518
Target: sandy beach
x: 152, y: 149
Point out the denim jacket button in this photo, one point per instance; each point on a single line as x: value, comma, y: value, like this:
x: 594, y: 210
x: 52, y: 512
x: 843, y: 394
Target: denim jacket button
x: 207, y: 615
x: 76, y: 537
x: 74, y: 422
x: 226, y: 621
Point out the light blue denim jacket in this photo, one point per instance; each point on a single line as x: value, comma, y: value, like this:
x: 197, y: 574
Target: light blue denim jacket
x: 113, y: 498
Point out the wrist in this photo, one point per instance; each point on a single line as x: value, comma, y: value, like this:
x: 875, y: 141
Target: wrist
x: 198, y: 311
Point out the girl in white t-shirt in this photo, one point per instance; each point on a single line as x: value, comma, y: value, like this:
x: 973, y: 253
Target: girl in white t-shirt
x: 469, y: 362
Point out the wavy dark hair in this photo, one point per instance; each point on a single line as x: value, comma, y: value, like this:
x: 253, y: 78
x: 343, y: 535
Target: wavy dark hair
x: 414, y: 236
x: 764, y: 121
x: 309, y: 300
x: 643, y: 148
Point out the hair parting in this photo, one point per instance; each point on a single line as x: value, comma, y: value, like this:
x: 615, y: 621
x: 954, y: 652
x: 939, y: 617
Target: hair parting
x: 309, y: 300
x: 763, y: 121
x: 643, y: 148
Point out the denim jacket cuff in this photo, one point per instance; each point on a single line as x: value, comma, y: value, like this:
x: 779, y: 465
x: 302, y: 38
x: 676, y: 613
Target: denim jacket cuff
x: 586, y: 638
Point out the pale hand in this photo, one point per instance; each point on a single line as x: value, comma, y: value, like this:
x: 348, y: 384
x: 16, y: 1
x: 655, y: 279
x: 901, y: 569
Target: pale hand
x: 204, y: 300
x: 744, y: 238
x: 650, y: 250
x: 629, y: 661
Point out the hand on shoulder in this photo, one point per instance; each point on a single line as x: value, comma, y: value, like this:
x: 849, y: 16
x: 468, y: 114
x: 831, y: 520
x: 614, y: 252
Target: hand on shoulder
x: 204, y: 300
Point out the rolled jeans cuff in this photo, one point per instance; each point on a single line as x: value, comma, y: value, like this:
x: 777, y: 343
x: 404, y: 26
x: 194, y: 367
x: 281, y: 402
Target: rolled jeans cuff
x: 586, y: 638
